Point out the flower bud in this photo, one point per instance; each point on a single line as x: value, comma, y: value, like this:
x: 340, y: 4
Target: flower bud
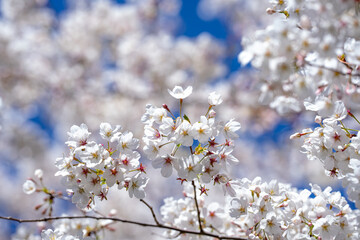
x: 166, y: 107
x: 295, y: 135
x: 318, y: 119
x: 39, y: 173
x: 113, y: 212
x: 270, y: 11
x: 212, y: 113
x: 257, y: 190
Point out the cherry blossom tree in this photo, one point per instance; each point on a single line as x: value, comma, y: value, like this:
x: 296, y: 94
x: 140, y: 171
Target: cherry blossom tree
x: 176, y: 155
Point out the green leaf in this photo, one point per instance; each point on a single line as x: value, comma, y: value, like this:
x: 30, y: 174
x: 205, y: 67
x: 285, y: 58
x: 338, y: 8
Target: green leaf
x: 186, y: 118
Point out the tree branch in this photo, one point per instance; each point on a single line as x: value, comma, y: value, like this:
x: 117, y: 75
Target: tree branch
x: 333, y: 69
x: 197, y: 207
x: 152, y: 212
x: 181, y: 231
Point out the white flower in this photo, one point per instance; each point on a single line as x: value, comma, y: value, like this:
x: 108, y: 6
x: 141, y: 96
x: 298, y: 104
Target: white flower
x: 78, y: 136
x: 182, y: 134
x: 285, y: 105
x: 271, y: 224
x: 152, y: 133
x: 215, y: 99
x: 179, y: 93
x: 340, y: 111
x: 334, y: 136
x: 158, y: 114
x: 228, y: 189
x: 215, y: 215
x: 112, y: 175
x: 93, y: 155
x: 168, y: 126
x: 107, y: 132
x: 201, y: 130
x: 151, y: 149
x: 355, y: 142
x: 211, y: 168
x: 166, y: 165
x: 238, y: 207
x: 326, y: 227
x: 245, y: 57
x: 49, y: 234
x: 130, y: 160
x: 127, y: 143
x: 324, y: 106
x: 39, y: 173
x: 189, y: 167
x: 80, y: 197
x: 352, y: 51
x: 230, y: 128
x: 137, y: 185
x: 29, y: 187
x: 226, y: 159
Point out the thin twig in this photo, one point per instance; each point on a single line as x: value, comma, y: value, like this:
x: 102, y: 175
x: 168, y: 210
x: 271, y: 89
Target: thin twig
x: 181, y: 231
x: 197, y: 206
x: 345, y: 129
x: 152, y: 211
x: 333, y: 70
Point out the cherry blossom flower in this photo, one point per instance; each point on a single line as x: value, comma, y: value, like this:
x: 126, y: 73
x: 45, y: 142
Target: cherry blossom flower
x: 182, y: 134
x: 179, y: 93
x: 78, y: 136
x: 136, y: 186
x: 107, y: 132
x: 49, y: 234
x: 166, y: 164
x: 230, y: 128
x: 201, y: 130
x: 215, y: 99
x: 29, y: 187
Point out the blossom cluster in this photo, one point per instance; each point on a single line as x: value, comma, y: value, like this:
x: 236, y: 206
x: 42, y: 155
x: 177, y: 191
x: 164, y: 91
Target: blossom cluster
x: 267, y: 210
x: 311, y: 52
x: 90, y: 168
x: 201, y: 153
x: 333, y: 144
x: 210, y: 144
x: 65, y: 229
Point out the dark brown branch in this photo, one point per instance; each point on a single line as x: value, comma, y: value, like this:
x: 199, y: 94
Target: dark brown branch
x: 152, y: 212
x: 181, y: 231
x: 197, y: 207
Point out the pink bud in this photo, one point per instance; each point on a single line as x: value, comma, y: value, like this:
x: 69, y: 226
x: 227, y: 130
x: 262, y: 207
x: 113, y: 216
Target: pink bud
x: 318, y: 119
x: 270, y: 11
x: 166, y: 107
x: 212, y: 113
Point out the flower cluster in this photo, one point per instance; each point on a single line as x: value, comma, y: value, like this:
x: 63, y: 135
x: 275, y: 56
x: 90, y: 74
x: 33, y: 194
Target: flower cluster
x: 83, y: 229
x: 91, y: 168
x: 329, y: 143
x: 209, y: 144
x: 267, y: 210
x: 65, y: 229
x: 201, y: 153
x: 333, y: 144
x: 301, y: 56
x: 309, y: 52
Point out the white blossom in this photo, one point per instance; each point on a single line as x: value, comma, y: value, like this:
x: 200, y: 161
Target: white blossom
x: 179, y: 93
x: 29, y: 187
